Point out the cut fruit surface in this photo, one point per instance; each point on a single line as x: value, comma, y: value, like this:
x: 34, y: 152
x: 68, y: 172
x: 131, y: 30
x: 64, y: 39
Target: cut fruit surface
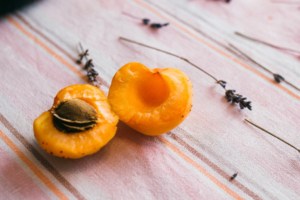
x: 151, y: 101
x: 82, y: 143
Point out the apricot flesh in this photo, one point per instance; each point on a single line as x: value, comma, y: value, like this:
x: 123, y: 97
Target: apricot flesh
x: 77, y: 145
x: 151, y: 101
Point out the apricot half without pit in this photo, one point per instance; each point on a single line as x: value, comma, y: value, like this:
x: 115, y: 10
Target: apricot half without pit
x: 151, y: 101
x: 79, y: 123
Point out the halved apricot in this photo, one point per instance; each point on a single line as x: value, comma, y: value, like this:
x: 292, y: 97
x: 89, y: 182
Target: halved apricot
x: 77, y: 144
x: 151, y: 101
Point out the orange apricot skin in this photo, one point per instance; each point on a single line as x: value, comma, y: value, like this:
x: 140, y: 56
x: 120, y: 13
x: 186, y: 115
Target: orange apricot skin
x: 169, y: 93
x: 77, y: 145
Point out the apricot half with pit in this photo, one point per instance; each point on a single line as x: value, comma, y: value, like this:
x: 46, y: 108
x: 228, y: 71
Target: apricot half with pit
x: 151, y: 101
x: 79, y: 123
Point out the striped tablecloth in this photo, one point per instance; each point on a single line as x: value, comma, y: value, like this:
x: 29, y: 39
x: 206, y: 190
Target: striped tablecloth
x: 193, y: 161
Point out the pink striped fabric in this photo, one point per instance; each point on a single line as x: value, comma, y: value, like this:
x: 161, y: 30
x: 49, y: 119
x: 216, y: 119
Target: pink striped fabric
x: 193, y: 161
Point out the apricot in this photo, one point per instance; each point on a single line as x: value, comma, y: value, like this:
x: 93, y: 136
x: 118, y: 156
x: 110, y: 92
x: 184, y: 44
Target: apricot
x: 151, y: 101
x: 79, y: 123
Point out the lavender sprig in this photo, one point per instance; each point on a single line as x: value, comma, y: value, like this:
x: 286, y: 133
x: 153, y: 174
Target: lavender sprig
x: 233, y: 98
x: 89, y: 67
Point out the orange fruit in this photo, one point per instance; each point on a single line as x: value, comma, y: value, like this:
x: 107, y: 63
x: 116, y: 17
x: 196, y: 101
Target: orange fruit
x: 151, y: 101
x: 66, y: 144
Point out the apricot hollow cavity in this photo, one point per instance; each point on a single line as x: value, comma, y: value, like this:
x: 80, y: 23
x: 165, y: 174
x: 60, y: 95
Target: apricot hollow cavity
x: 86, y: 122
x: 151, y: 101
x: 148, y: 89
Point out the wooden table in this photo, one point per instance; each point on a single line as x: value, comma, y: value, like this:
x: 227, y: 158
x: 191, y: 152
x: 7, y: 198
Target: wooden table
x: 195, y: 160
